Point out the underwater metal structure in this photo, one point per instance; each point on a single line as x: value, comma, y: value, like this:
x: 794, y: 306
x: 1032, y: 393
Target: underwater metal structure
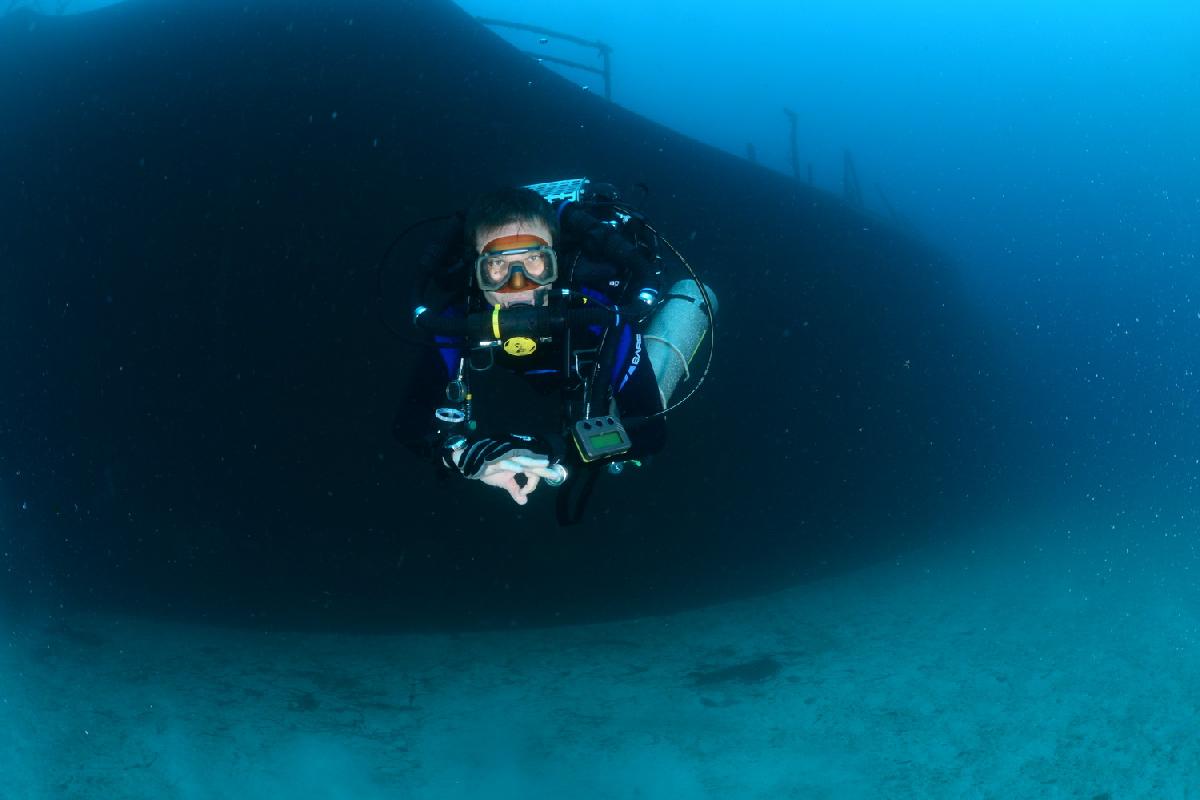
x: 604, y: 51
x: 198, y: 391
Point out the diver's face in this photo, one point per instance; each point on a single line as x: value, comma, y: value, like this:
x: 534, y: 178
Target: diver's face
x: 525, y: 297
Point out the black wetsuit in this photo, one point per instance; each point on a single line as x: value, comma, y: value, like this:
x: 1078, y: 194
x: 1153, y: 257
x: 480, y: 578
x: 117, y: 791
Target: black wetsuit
x: 535, y: 394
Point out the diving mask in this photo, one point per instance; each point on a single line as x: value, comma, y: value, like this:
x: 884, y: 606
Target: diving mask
x: 516, y: 264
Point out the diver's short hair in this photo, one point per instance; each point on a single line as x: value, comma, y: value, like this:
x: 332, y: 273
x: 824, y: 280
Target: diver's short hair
x: 513, y: 204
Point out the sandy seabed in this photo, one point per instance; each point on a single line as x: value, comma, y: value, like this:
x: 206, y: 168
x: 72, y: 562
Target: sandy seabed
x: 1029, y: 660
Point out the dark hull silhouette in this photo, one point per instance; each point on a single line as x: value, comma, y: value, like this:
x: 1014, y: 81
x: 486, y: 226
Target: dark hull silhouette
x: 198, y: 392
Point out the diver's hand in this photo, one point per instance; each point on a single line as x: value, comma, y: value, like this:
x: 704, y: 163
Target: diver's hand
x: 504, y: 472
x: 497, y: 462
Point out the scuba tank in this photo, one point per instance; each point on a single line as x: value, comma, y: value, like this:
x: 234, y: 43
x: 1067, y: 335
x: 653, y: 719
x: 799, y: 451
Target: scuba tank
x: 675, y: 332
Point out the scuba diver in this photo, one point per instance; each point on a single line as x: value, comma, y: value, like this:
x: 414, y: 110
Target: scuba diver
x: 555, y: 352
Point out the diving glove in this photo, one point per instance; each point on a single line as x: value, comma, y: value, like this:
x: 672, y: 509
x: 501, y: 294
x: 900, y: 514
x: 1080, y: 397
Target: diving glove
x: 515, y: 453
